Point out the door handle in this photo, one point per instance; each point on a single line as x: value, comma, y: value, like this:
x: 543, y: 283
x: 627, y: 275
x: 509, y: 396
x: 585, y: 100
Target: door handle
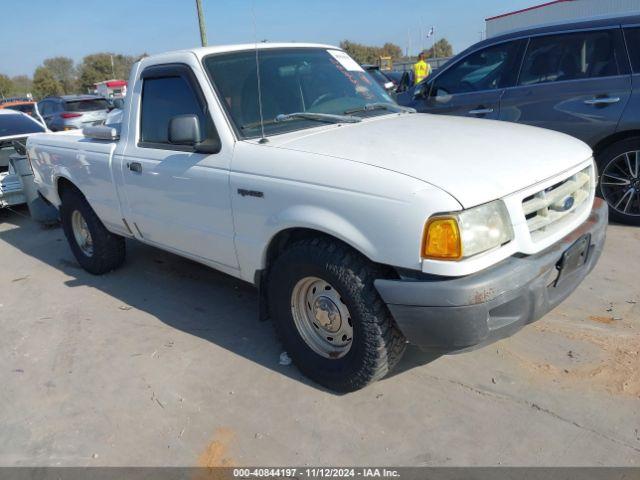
x: 135, y: 167
x: 602, y: 101
x: 481, y: 111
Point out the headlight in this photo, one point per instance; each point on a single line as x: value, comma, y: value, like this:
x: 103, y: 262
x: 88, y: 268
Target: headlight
x: 465, y: 234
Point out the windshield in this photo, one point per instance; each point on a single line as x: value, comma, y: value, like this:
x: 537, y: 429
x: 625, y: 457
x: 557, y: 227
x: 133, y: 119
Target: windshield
x: 293, y: 80
x: 17, y: 124
x: 379, y: 77
x: 86, y: 105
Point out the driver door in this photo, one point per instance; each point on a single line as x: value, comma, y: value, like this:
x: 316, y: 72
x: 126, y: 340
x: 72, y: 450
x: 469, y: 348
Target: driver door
x: 473, y: 86
x: 177, y: 198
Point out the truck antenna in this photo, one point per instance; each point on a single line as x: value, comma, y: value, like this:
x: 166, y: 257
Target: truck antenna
x: 263, y: 139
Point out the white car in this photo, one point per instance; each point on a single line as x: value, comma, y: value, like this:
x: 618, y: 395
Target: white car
x: 14, y: 126
x: 365, y: 226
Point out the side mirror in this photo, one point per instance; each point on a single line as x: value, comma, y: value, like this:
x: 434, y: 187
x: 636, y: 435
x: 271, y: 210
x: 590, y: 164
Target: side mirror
x: 442, y: 96
x: 185, y: 130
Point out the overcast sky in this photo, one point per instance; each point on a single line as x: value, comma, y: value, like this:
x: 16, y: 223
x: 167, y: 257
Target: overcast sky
x: 33, y: 30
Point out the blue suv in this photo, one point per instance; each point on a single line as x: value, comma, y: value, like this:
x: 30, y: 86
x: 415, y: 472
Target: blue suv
x: 582, y: 79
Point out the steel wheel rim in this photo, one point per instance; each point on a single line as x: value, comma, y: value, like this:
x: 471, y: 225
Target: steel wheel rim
x: 81, y: 233
x: 620, y: 183
x: 321, y: 317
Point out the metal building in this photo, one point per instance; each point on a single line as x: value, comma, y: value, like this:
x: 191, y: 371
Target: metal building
x: 559, y: 11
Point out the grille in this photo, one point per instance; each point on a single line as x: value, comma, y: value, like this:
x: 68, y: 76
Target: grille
x: 550, y: 209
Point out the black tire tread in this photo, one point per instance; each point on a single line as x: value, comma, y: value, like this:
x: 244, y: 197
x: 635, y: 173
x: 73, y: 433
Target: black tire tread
x: 385, y: 343
x: 109, y: 249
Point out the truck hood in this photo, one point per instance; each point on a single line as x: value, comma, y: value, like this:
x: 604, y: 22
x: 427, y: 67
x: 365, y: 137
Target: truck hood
x: 475, y: 161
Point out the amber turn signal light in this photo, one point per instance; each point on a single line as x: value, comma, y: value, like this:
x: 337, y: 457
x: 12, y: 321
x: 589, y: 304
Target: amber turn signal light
x: 442, y: 239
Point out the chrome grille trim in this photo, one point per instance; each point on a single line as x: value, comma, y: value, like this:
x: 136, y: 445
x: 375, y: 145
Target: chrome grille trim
x: 550, y: 209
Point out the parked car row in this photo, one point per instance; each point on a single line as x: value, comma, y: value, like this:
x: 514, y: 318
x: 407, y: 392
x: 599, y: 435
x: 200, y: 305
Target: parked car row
x: 269, y: 165
x: 582, y: 79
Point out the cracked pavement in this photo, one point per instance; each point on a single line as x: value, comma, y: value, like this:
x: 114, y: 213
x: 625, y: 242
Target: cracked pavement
x: 165, y: 363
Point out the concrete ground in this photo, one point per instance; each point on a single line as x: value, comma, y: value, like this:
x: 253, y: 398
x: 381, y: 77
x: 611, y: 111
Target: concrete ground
x: 164, y: 363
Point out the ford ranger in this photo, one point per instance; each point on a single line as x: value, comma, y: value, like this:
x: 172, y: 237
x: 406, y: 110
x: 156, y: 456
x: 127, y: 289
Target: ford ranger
x: 364, y: 225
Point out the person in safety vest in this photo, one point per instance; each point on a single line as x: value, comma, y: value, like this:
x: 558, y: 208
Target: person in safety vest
x: 421, y: 69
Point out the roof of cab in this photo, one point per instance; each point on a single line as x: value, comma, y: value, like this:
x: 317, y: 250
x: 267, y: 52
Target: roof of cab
x: 204, y: 51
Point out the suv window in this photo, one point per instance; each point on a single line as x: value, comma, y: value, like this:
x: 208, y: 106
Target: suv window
x: 44, y: 107
x: 163, y: 99
x: 633, y: 44
x: 571, y: 56
x: 86, y: 105
x: 486, y: 69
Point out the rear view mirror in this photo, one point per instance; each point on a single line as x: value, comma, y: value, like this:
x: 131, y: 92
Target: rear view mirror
x: 185, y: 130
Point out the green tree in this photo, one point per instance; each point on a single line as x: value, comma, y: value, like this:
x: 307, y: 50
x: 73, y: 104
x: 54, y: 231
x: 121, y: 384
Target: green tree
x: 97, y: 67
x: 22, y: 85
x: 6, y: 86
x: 45, y: 84
x: 63, y: 72
x: 441, y: 49
x: 391, y: 50
x: 370, y: 54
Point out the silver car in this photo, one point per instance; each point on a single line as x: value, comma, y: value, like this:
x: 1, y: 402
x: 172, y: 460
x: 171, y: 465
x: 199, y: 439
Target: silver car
x: 69, y: 112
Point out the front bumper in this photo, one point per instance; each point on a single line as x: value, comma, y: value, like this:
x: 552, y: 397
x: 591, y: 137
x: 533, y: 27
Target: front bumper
x: 449, y: 314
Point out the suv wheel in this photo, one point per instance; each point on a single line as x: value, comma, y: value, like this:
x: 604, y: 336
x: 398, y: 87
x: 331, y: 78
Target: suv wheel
x: 330, y: 317
x: 619, y: 182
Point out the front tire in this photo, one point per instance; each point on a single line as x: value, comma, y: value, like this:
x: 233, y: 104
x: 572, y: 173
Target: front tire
x: 329, y: 316
x: 619, y: 183
x: 97, y: 250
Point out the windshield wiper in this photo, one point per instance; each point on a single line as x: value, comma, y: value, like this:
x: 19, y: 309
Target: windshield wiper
x: 392, y: 107
x: 320, y: 117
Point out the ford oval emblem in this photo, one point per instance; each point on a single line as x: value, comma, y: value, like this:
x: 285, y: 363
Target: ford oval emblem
x: 564, y: 205
x: 568, y: 203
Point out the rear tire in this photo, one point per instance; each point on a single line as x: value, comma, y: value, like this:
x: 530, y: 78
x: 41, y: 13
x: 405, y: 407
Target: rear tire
x: 622, y: 190
x: 97, y: 250
x: 345, y: 280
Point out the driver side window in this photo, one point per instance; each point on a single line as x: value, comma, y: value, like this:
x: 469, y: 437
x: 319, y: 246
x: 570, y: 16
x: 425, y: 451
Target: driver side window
x: 488, y: 69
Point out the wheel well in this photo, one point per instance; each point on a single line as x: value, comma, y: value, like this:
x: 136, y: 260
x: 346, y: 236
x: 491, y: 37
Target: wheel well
x: 615, y: 138
x: 65, y: 185
x: 283, y: 239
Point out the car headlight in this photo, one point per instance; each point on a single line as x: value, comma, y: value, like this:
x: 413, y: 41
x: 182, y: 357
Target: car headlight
x: 467, y: 233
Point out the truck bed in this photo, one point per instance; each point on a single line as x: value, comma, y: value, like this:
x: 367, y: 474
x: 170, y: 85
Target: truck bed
x: 72, y: 155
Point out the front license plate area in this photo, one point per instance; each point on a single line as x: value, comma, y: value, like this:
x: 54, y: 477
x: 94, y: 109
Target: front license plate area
x: 573, y: 258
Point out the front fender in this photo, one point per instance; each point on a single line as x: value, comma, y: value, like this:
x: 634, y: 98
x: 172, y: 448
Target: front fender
x: 317, y: 218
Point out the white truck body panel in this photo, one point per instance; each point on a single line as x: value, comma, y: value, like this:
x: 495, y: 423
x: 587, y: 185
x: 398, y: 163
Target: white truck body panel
x: 373, y: 184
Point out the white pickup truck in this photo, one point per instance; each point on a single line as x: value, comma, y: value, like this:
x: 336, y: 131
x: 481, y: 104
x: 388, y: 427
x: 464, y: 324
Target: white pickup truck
x: 365, y: 226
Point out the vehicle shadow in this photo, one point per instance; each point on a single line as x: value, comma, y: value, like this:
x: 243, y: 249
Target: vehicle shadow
x: 183, y: 294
